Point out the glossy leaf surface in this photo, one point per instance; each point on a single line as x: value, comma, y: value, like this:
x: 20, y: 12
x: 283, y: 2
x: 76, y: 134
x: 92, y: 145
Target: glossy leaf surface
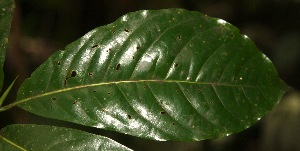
x: 6, y: 12
x: 47, y: 138
x: 165, y: 74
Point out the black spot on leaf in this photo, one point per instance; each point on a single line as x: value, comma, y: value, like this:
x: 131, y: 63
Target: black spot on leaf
x: 176, y: 65
x: 126, y: 30
x: 65, y: 82
x: 178, y: 37
x: 73, y: 74
x: 94, y: 46
x: 58, y: 62
x: 268, y: 78
x: 90, y: 74
x: 75, y: 101
x: 129, y: 116
x: 234, y: 78
x: 118, y: 66
x: 53, y: 99
x: 162, y: 112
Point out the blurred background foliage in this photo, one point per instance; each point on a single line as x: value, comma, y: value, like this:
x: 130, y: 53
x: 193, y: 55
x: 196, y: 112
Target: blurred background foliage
x: 41, y: 27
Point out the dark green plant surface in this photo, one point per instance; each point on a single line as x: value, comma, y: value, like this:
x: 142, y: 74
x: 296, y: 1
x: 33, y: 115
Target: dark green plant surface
x: 50, y: 138
x: 6, y: 12
x: 166, y: 74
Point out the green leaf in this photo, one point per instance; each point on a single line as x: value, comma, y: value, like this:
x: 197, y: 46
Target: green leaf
x: 6, y: 12
x: 166, y: 74
x: 46, y: 138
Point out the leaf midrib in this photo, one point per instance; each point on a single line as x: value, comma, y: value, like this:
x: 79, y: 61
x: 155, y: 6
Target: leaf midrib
x: 132, y: 81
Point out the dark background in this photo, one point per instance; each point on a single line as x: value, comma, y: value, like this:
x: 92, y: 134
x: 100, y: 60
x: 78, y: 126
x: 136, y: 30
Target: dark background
x: 41, y: 27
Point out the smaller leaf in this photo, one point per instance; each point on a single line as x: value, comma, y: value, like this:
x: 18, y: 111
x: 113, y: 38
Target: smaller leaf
x: 6, y: 11
x: 6, y: 92
x: 40, y: 137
